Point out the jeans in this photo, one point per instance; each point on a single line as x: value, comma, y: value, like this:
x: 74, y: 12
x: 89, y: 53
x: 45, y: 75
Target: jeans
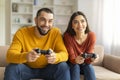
x: 85, y: 69
x: 51, y: 72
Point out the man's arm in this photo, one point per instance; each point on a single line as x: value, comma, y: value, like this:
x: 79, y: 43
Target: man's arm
x: 14, y: 54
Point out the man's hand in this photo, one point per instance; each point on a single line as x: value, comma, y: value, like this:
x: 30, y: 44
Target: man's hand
x: 32, y: 56
x: 51, y: 58
x: 79, y: 59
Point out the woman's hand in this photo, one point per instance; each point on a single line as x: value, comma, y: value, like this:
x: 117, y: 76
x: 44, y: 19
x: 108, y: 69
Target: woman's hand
x: 79, y: 59
x: 94, y: 60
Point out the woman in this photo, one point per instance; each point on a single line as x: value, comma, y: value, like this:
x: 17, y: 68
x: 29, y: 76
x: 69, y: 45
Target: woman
x: 79, y: 40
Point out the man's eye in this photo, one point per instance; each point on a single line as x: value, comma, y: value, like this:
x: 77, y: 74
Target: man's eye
x: 50, y: 21
x: 42, y: 19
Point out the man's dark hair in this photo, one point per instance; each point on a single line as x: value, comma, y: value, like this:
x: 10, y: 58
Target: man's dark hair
x: 47, y: 10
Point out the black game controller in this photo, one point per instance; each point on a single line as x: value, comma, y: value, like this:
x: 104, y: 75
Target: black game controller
x: 90, y: 55
x: 42, y: 51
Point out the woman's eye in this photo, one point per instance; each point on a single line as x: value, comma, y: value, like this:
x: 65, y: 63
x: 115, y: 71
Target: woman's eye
x: 82, y: 21
x: 75, y: 22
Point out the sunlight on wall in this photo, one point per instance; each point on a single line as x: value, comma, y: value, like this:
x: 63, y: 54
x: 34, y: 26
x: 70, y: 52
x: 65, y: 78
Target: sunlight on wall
x: 2, y: 22
x: 112, y: 25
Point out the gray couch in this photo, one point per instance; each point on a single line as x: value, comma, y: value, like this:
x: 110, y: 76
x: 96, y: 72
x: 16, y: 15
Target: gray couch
x: 107, y: 68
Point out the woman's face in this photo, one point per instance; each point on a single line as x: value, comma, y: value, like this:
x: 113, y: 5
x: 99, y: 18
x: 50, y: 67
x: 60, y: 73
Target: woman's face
x: 79, y: 24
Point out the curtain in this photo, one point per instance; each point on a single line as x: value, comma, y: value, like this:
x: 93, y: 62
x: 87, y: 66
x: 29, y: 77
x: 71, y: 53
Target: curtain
x: 106, y: 24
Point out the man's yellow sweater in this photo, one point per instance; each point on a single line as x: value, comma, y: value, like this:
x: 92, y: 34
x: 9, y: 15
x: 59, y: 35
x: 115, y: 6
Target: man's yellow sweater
x: 25, y: 40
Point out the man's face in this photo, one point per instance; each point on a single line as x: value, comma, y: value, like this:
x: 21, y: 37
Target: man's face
x: 44, y: 22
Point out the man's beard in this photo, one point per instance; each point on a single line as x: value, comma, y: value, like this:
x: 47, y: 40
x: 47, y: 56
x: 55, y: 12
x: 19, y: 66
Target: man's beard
x: 41, y: 31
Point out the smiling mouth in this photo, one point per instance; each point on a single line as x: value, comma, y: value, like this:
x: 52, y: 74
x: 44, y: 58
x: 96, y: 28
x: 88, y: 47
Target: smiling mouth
x: 80, y: 28
x: 43, y: 30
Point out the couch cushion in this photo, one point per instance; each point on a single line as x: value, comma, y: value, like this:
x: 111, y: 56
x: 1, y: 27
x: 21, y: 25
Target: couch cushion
x: 2, y: 70
x: 100, y: 51
x: 3, y: 51
x: 105, y: 74
x: 112, y: 62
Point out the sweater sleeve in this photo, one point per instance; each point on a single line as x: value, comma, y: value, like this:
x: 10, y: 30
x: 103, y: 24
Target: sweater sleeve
x: 91, y: 42
x: 90, y: 46
x: 69, y: 46
x: 60, y: 49
x: 14, y: 54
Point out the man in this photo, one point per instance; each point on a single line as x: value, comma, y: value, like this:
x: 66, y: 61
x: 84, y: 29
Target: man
x: 25, y: 63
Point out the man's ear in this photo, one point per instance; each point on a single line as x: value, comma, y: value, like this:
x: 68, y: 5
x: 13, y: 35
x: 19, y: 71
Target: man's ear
x: 35, y: 19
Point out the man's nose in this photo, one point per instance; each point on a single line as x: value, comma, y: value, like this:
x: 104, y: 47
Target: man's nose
x: 46, y: 23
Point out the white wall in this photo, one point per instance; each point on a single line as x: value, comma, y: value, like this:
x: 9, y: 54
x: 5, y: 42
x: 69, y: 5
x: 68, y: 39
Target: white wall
x: 7, y: 21
x: 87, y: 6
x: 93, y: 11
x: 2, y: 22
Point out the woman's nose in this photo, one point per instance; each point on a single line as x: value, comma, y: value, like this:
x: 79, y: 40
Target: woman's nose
x: 79, y: 24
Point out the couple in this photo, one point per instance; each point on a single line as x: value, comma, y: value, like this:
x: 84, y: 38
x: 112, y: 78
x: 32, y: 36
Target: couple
x: 25, y: 63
